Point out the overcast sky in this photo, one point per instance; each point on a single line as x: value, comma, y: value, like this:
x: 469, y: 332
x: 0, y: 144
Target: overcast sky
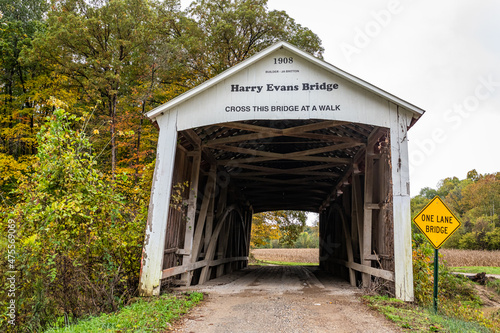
x: 442, y: 56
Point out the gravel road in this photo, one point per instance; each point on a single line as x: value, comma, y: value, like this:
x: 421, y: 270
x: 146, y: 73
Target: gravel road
x: 281, y: 299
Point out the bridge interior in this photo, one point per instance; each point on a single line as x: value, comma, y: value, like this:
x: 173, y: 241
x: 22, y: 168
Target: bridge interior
x: 340, y: 170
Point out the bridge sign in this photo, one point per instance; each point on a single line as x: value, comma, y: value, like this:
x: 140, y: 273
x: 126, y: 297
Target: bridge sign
x: 437, y: 222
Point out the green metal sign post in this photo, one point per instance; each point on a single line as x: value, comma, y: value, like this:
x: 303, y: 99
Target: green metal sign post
x: 436, y: 279
x: 437, y: 222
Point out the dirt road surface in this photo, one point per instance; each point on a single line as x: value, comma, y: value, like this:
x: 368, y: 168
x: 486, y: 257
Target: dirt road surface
x: 282, y: 299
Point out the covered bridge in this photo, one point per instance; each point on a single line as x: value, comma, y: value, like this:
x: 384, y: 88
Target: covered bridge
x: 282, y: 130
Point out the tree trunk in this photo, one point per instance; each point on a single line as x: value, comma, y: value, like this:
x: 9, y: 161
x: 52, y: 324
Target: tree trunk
x: 112, y: 130
x: 139, y: 142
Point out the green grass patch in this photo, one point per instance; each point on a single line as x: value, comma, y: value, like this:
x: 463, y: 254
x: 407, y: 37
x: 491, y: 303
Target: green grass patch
x: 495, y: 285
x: 476, y: 269
x: 283, y: 263
x: 146, y: 315
x: 416, y: 319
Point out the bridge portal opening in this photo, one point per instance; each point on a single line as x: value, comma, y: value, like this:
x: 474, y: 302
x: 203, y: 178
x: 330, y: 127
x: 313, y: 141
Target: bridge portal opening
x: 225, y: 154
x: 282, y: 237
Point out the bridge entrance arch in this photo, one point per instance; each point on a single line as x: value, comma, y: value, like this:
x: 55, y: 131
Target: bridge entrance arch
x: 281, y: 130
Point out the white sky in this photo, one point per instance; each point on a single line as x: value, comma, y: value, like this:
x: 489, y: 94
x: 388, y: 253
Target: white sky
x: 443, y: 56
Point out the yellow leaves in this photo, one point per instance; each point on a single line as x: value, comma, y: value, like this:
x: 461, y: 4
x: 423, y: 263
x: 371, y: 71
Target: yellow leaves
x: 96, y: 132
x: 57, y: 103
x: 126, y: 133
x: 30, y: 241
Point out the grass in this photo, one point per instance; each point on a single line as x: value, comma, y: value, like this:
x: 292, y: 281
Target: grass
x: 417, y: 319
x: 146, y: 315
x: 495, y: 285
x: 476, y: 269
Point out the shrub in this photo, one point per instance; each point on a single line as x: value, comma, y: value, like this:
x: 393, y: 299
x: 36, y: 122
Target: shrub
x: 78, y: 246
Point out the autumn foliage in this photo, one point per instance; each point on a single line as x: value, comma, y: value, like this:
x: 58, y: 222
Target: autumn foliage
x: 76, y: 150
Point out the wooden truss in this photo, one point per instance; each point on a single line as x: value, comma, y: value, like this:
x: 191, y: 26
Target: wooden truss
x: 340, y: 170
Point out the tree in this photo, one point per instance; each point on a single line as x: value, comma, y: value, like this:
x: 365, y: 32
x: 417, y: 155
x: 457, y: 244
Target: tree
x: 288, y: 224
x: 222, y: 33
x: 473, y: 175
x: 263, y: 232
x: 79, y: 247
x: 20, y: 21
x: 104, y: 48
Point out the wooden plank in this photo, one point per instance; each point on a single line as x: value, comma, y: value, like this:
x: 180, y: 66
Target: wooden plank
x: 252, y: 128
x: 192, y: 137
x: 184, y: 269
x: 278, y: 156
x: 372, y: 206
x: 228, y: 260
x: 200, y: 224
x: 240, y: 138
x: 156, y: 227
x: 367, y: 214
x: 400, y: 120
x: 312, y: 127
x: 172, y: 250
x: 169, y: 272
x: 210, y: 222
x: 210, y: 252
x: 358, y: 209
x: 325, y: 149
x: 350, y: 256
x: 303, y: 180
x: 223, y: 242
x: 251, y: 190
x: 305, y: 173
x: 326, y: 137
x: 387, y: 275
x: 191, y: 212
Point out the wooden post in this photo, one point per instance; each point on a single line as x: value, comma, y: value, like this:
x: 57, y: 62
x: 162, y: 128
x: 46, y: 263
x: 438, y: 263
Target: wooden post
x: 192, y: 256
x: 367, y: 212
x: 210, y: 252
x: 159, y: 205
x: 357, y: 206
x: 222, y: 247
x: 211, y: 208
x: 350, y: 257
x: 403, y: 270
x: 191, y: 213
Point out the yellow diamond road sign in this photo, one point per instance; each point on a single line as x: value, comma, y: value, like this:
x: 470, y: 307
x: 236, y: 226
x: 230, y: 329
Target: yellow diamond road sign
x: 437, y: 222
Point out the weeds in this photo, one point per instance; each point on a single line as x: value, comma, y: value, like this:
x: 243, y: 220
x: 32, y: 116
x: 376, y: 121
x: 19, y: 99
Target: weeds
x: 494, y: 285
x: 418, y: 319
x: 146, y: 315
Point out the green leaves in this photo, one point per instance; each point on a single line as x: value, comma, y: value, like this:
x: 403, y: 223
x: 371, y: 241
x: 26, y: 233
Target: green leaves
x: 225, y: 33
x: 80, y: 244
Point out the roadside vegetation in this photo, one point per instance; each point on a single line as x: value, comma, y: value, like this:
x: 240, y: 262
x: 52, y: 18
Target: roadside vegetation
x: 156, y: 314
x: 413, y: 318
x: 460, y: 301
